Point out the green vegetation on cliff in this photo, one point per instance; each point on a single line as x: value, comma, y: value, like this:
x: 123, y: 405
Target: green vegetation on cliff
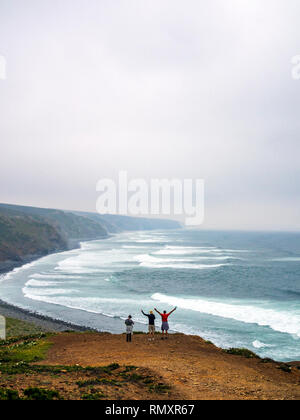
x: 22, y: 235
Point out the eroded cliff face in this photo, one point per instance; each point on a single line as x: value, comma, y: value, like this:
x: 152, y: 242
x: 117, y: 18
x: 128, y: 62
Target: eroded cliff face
x: 23, y: 239
x: 21, y: 236
x: 27, y: 233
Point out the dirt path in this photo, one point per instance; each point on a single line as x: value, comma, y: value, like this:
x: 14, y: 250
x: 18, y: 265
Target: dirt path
x: 195, y: 369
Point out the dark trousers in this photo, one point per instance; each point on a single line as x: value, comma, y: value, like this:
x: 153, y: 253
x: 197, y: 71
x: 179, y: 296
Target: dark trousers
x: 128, y: 338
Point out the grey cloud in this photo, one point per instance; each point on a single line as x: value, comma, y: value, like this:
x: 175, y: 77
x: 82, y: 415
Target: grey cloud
x: 163, y: 89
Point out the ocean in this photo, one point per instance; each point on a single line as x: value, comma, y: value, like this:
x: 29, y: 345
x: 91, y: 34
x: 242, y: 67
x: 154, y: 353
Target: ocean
x: 235, y: 289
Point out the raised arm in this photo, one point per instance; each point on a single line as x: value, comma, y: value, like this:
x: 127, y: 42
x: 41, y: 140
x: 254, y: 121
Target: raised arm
x: 173, y: 310
x: 157, y: 311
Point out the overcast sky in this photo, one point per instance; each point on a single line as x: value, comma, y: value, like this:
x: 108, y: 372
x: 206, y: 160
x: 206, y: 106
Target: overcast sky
x: 184, y: 89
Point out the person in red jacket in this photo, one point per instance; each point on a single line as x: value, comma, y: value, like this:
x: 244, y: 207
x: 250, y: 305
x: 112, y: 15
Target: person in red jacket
x: 165, y: 324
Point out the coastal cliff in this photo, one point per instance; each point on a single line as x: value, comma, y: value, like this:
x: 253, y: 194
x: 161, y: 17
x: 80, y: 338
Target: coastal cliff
x: 27, y: 233
x: 91, y: 366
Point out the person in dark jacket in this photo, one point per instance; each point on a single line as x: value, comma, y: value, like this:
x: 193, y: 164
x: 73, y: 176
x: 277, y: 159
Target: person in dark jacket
x: 151, y: 328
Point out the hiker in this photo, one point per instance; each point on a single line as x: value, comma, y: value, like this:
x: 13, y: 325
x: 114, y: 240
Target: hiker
x: 165, y: 325
x: 151, y: 328
x: 129, y: 328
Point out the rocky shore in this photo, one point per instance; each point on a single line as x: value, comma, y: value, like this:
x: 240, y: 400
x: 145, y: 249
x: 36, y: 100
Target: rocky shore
x: 44, y: 322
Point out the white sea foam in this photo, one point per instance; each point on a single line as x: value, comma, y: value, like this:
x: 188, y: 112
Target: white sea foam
x: 134, y: 247
x: 150, y: 241
x: 189, y: 247
x: 236, y: 250
x: 259, y: 345
x: 146, y: 258
x: 182, y: 266
x: 17, y: 270
x: 30, y: 291
x: 54, y: 276
x: 281, y: 321
x: 287, y: 259
x: 38, y: 283
x: 169, y: 250
x: 183, y: 251
x: 198, y: 257
x: 111, y: 307
x: 93, y: 262
x: 209, y: 254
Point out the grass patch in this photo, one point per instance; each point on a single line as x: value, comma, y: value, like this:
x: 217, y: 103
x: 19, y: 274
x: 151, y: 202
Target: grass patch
x: 97, y: 381
x: 90, y: 382
x: 27, y: 352
x: 24, y: 367
x: 267, y: 360
x: 93, y: 396
x: 15, y: 328
x: 159, y: 388
x: 148, y: 381
x: 17, y: 355
x: 242, y: 352
x: 39, y: 394
x: 111, y: 367
x: 285, y: 368
x: 131, y: 377
x: 111, y: 382
x: 103, y: 369
x: 8, y: 395
x: 23, y: 339
x: 33, y: 394
x: 130, y: 368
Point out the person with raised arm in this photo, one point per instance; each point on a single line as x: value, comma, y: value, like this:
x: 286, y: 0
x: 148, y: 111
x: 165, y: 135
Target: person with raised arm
x: 151, y: 328
x: 165, y: 324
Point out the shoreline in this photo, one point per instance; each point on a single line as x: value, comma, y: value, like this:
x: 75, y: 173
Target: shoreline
x: 52, y: 324
x: 46, y: 322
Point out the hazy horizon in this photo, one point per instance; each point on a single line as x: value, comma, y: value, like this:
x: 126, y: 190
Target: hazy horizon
x: 202, y: 90
x: 202, y: 227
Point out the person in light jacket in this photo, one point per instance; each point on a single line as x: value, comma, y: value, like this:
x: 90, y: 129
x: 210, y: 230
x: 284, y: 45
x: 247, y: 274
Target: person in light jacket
x: 129, y: 328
